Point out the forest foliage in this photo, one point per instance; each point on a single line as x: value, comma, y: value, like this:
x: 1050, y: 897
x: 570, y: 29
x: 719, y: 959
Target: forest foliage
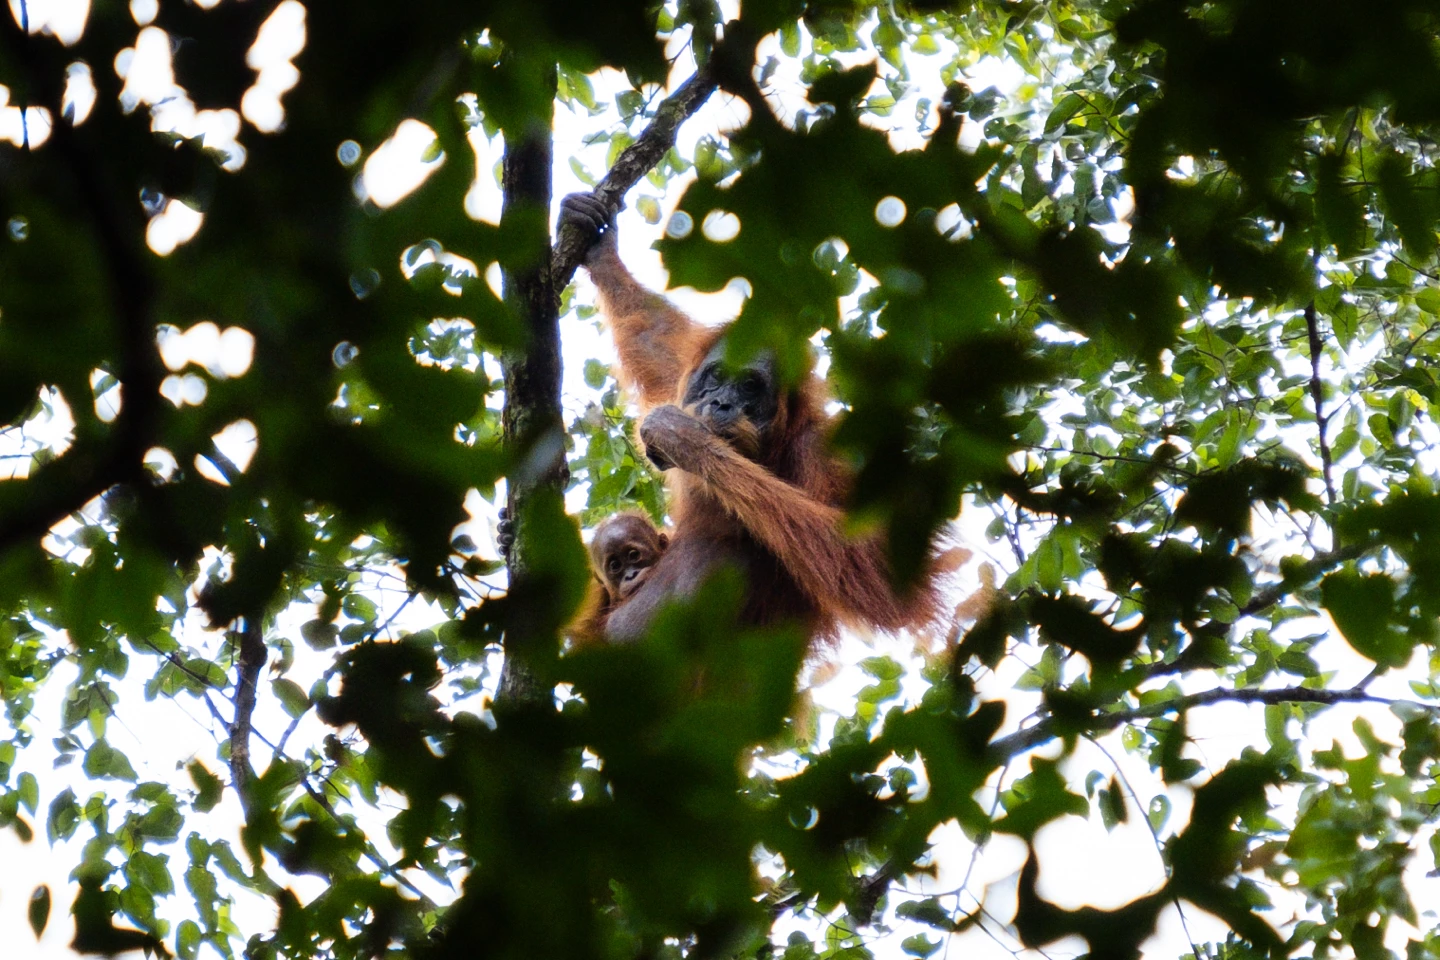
x: 1166, y: 310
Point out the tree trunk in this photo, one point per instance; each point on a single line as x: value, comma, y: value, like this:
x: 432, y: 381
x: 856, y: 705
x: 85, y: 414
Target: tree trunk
x: 532, y: 418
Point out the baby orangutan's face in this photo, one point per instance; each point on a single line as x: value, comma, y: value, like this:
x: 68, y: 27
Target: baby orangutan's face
x: 624, y: 550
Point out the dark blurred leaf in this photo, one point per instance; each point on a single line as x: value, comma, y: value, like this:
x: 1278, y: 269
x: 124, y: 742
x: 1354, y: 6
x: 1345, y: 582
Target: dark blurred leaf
x: 38, y: 911
x: 1363, y: 607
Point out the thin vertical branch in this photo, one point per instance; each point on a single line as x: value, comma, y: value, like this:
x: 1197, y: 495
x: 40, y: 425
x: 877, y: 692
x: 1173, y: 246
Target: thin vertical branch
x: 248, y: 664
x: 1317, y: 394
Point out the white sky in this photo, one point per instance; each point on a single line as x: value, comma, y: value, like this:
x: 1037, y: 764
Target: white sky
x: 1081, y: 862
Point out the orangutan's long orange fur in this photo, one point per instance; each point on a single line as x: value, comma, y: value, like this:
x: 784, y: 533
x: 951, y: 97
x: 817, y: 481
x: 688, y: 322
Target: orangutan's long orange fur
x: 785, y: 502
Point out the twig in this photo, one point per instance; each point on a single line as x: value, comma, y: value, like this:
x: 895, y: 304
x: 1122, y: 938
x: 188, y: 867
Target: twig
x: 1365, y: 682
x: 1046, y: 730
x: 1410, y: 266
x: 215, y: 711
x: 1300, y: 575
x: 1155, y: 837
x: 227, y: 467
x: 334, y: 668
x: 1113, y: 458
x: 975, y: 850
x: 184, y: 668
x: 371, y: 853
x: 1012, y: 536
x: 1317, y: 394
x: 1414, y: 341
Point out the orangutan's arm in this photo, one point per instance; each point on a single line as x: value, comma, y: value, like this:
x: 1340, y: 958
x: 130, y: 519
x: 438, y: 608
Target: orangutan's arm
x: 843, y: 574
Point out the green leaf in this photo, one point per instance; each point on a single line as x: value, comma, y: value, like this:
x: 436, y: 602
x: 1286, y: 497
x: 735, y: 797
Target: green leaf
x: 318, y: 634
x: 187, y: 940
x: 1428, y: 300
x: 1341, y: 213
x: 920, y: 945
x: 1363, y: 608
x: 581, y: 173
x: 648, y: 208
x: 104, y: 762
x: 1409, y: 203
x: 882, y: 668
x: 64, y: 816
x: 1112, y: 805
x: 1064, y: 110
x: 291, y: 695
x: 1381, y: 429
x: 629, y: 102
x: 359, y: 607
x: 1050, y: 564
x: 38, y: 910
x: 29, y: 790
x: 1159, y: 812
x: 1043, y: 798
x: 790, y: 39
x: 1277, y: 718
x: 596, y: 373
x: 928, y: 911
x: 209, y: 786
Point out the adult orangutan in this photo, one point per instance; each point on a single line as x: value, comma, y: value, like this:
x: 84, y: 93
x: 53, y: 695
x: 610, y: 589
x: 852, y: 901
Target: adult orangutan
x: 752, y: 481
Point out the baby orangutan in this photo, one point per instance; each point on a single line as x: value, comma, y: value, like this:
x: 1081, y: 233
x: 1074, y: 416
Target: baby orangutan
x: 623, y: 552
x: 624, y: 549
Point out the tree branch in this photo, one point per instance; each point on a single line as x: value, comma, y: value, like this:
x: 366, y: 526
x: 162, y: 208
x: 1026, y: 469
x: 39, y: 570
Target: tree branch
x: 371, y: 853
x: 1312, y: 328
x: 870, y: 889
x: 1194, y: 656
x: 1302, y: 574
x: 732, y: 57
x: 532, y: 415
x: 335, y: 668
x: 633, y: 163
x: 1046, y: 730
x: 249, y: 663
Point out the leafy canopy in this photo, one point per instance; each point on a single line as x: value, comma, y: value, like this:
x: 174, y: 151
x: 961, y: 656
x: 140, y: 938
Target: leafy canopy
x: 1162, y: 303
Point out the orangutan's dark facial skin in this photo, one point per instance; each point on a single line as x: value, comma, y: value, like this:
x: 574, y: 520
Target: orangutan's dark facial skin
x: 736, y: 404
x: 624, y: 550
